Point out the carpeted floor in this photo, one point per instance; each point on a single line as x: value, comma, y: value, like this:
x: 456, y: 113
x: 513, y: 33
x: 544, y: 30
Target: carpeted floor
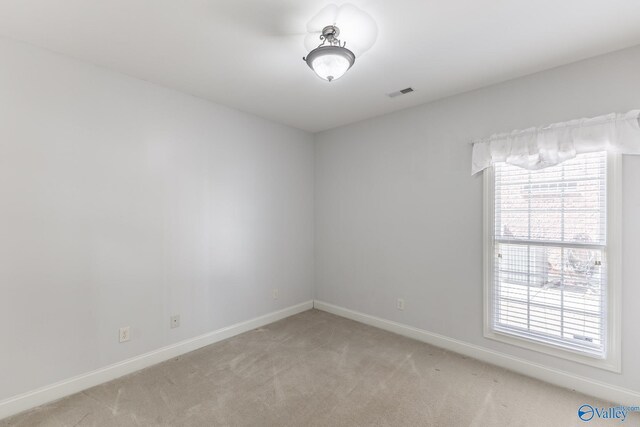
x: 319, y: 369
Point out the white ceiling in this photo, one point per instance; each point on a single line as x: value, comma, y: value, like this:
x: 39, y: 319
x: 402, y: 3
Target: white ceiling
x: 247, y: 54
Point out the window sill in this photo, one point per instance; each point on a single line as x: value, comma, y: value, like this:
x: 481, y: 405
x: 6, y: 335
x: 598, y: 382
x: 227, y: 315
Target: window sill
x: 612, y: 363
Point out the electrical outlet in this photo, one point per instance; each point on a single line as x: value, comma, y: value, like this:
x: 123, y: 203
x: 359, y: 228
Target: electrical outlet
x: 175, y: 321
x: 125, y: 334
x: 400, y: 304
x: 275, y: 292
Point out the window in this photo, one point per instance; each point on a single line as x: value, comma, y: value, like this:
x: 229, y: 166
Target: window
x: 550, y: 280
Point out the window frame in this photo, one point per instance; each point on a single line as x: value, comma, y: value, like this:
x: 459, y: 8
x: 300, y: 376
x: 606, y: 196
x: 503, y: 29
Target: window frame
x: 613, y: 253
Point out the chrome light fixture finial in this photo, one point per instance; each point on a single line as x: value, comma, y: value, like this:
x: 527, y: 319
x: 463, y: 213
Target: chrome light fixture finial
x: 331, y: 59
x: 330, y: 34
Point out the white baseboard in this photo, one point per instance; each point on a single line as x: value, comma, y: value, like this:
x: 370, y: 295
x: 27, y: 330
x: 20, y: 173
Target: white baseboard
x: 560, y: 378
x: 40, y: 396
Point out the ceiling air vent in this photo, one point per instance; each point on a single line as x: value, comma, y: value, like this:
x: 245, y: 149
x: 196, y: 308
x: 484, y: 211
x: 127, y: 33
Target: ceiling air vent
x: 400, y: 92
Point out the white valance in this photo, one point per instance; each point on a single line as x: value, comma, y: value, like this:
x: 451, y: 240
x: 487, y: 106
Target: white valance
x: 538, y: 148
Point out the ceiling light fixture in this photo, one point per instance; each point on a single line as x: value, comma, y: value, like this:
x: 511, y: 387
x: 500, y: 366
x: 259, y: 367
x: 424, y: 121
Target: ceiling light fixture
x: 331, y: 59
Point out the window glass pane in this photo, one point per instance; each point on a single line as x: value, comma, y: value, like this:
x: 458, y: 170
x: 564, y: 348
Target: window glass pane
x: 550, y: 241
x: 564, y: 203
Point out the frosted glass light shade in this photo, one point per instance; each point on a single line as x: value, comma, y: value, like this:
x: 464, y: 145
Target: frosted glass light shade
x: 330, y: 62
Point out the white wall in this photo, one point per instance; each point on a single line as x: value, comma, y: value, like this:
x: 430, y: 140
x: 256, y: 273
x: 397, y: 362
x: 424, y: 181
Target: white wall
x: 122, y: 203
x: 399, y: 215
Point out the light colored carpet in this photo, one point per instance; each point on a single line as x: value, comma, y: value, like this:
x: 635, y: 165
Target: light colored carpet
x: 319, y: 369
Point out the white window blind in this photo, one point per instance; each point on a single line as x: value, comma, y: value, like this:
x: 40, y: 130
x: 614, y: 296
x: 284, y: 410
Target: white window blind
x: 549, y: 264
